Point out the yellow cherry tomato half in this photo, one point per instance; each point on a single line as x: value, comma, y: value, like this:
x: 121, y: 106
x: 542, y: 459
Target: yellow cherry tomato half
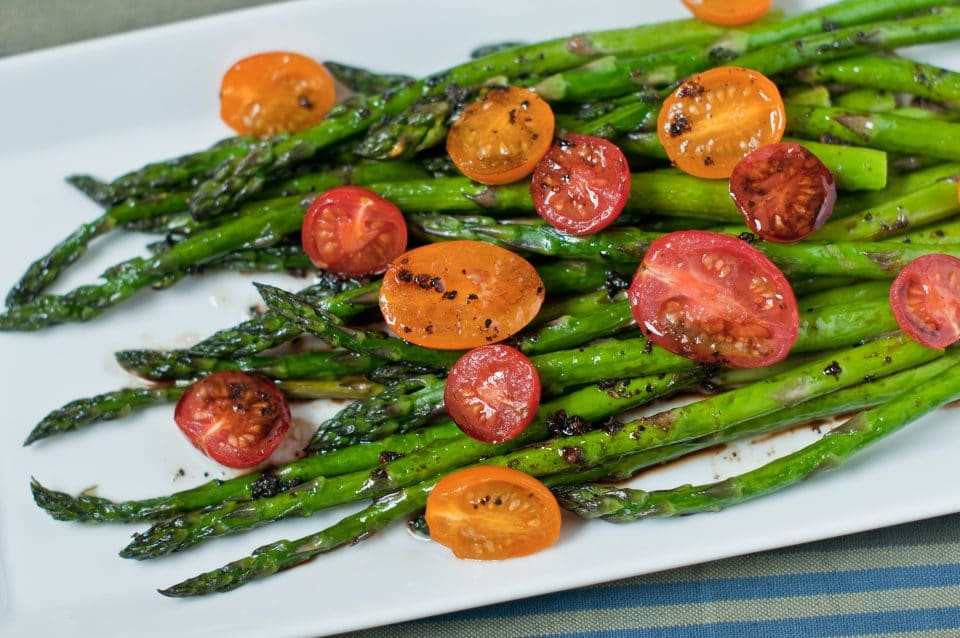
x: 728, y: 12
x: 716, y: 118
x: 500, y: 138
x: 459, y: 294
x: 492, y: 513
x: 275, y: 92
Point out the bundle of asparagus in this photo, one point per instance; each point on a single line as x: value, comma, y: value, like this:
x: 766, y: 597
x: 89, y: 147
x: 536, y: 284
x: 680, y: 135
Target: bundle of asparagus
x: 886, y: 127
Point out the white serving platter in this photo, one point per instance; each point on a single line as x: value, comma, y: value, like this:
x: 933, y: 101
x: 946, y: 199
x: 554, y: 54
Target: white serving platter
x: 109, y: 105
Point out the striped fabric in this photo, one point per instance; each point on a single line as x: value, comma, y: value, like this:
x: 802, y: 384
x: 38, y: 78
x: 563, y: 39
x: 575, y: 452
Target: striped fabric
x: 898, y: 582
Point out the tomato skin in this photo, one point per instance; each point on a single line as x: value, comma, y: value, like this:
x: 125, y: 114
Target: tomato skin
x: 275, y: 92
x: 925, y: 300
x: 715, y: 118
x: 235, y: 418
x: 714, y: 298
x: 728, y: 12
x: 581, y: 185
x: 459, y: 295
x: 353, y: 231
x: 783, y: 191
x: 489, y: 512
x: 500, y: 138
x: 492, y: 393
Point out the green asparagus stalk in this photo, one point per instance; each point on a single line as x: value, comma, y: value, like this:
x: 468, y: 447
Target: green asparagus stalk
x: 838, y: 445
x: 108, y: 406
x: 103, y: 407
x: 945, y: 234
x: 897, y: 186
x: 887, y: 73
x: 401, y: 407
x: 875, y: 101
x: 870, y: 393
x: 921, y: 207
x: 270, y: 559
x: 763, y: 49
x: 45, y: 270
x: 361, y: 80
x: 866, y: 260
x: 302, y: 365
x: 884, y: 131
x: 843, y: 295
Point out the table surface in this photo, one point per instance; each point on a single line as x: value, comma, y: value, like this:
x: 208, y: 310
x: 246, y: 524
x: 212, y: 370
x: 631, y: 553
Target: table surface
x: 901, y: 581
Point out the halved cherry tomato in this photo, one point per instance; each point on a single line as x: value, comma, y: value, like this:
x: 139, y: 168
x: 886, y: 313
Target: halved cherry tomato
x: 491, y: 513
x: 715, y: 118
x: 275, y: 92
x: 492, y: 393
x: 353, y: 231
x: 783, y: 191
x: 500, y: 138
x: 581, y: 185
x: 715, y: 298
x: 925, y: 299
x: 235, y: 418
x: 728, y: 12
x: 459, y: 294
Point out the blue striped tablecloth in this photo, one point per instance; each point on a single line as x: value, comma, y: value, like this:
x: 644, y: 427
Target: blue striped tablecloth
x: 899, y: 582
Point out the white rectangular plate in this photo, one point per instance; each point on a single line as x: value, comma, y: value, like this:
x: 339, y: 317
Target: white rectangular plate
x: 107, y: 106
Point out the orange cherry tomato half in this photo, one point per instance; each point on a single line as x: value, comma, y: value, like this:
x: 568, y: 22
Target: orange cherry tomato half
x: 492, y: 393
x: 714, y: 298
x: 925, y: 300
x: 500, y: 138
x: 715, y: 118
x: 783, y: 191
x: 581, y: 185
x: 728, y: 12
x: 275, y: 92
x: 492, y: 513
x: 235, y: 418
x: 353, y: 231
x: 459, y: 294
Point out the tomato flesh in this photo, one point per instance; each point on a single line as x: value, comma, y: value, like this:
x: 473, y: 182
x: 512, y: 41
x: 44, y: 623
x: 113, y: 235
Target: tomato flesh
x: 492, y: 513
x: 925, y: 300
x: 501, y: 137
x: 492, y: 393
x: 459, y: 295
x: 728, y: 12
x: 715, y: 118
x: 783, y: 191
x: 235, y: 418
x: 353, y: 231
x: 581, y: 185
x: 714, y: 298
x: 275, y: 92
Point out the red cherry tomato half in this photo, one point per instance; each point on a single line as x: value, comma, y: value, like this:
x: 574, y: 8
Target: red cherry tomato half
x: 581, y: 185
x: 492, y: 393
x: 353, y: 231
x: 925, y: 299
x: 783, y: 191
x: 715, y: 298
x: 235, y: 418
